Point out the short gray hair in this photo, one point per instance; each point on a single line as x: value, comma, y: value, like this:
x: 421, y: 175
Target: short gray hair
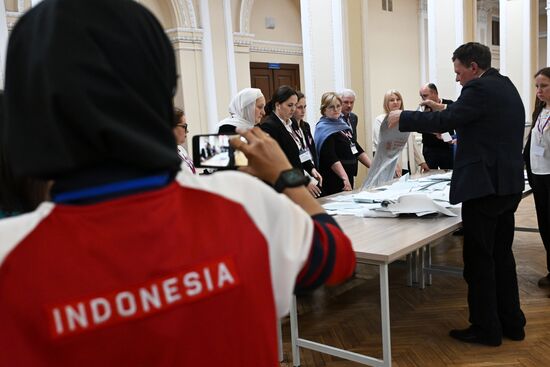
x: 347, y: 93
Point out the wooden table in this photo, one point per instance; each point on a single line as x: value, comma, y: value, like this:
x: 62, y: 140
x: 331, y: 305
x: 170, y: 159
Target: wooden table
x: 379, y: 241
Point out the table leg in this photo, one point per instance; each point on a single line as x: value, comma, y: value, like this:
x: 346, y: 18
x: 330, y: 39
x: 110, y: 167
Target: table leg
x: 421, y: 273
x: 280, y: 340
x: 294, y: 332
x: 385, y: 314
x: 410, y: 268
x: 429, y: 263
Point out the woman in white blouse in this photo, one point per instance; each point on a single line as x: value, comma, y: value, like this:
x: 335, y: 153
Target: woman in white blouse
x: 410, y: 156
x: 537, y: 157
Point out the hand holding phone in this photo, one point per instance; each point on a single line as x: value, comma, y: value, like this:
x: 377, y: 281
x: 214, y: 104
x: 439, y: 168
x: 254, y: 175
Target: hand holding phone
x: 266, y: 160
x: 214, y: 151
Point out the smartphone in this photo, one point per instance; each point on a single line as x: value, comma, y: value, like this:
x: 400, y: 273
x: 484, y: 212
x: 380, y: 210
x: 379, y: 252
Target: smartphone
x: 214, y: 151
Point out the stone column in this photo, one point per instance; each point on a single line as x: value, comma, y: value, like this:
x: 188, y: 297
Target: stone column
x: 323, y: 50
x: 518, y: 46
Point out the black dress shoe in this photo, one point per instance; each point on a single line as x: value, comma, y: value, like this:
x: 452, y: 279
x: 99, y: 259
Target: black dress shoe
x: 516, y: 333
x: 475, y: 335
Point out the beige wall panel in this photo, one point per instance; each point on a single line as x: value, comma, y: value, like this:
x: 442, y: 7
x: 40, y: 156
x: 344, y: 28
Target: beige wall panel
x: 542, y: 42
x: 236, y: 14
x: 11, y: 5
x: 353, y: 21
x: 287, y: 19
x: 163, y: 10
x: 242, y: 62
x: 469, y: 20
x: 394, y: 53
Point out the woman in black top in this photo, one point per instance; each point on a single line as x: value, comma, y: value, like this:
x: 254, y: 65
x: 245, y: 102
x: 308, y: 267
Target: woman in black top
x: 338, y: 152
x: 279, y: 125
x: 299, y: 115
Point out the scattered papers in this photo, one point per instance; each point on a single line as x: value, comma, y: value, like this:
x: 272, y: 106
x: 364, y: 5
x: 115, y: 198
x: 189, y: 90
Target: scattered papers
x: 426, y: 195
x: 419, y: 204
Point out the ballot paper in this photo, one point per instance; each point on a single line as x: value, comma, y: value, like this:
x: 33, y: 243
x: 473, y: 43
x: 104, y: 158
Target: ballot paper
x: 446, y: 137
x: 419, y: 204
x: 390, y: 144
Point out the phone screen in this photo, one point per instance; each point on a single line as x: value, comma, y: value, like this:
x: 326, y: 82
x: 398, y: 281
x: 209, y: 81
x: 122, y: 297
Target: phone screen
x: 214, y: 151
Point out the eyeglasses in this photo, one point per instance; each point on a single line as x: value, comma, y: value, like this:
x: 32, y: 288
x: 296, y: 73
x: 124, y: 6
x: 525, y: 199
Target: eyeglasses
x: 183, y: 126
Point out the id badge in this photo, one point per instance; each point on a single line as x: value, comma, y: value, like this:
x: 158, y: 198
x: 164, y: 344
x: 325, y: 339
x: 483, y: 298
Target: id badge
x: 537, y: 150
x: 305, y: 155
x: 353, y: 149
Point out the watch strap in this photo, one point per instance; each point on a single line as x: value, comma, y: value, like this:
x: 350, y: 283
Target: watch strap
x: 293, y: 177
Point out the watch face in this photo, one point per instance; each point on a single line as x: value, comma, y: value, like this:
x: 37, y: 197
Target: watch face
x: 291, y: 178
x: 295, y: 177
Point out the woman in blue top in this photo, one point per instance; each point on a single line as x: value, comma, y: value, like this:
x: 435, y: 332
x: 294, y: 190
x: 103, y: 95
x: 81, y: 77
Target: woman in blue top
x: 338, y: 152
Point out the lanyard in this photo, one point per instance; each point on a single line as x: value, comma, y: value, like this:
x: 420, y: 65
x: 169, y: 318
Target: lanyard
x: 190, y: 164
x: 348, y: 135
x: 297, y: 137
x: 187, y: 161
x: 541, y: 129
x: 112, y: 188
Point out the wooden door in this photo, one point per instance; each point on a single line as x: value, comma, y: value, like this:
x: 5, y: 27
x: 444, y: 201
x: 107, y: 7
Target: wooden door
x: 270, y: 76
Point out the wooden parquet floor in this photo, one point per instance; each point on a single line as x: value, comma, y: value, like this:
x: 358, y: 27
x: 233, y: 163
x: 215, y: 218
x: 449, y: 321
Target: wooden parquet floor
x: 348, y: 316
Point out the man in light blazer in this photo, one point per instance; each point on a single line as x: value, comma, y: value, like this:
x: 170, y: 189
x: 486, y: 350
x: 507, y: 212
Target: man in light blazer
x: 489, y: 118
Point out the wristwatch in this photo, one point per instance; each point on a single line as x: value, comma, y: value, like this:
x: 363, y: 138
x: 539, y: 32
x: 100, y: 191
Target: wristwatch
x: 293, y: 177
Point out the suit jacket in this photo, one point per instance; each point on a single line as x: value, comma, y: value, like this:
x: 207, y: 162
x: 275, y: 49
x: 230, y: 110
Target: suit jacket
x: 489, y: 119
x: 430, y: 140
x: 353, y: 121
x: 275, y: 128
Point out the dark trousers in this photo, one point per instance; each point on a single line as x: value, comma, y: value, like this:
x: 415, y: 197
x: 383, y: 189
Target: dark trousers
x: 438, y: 157
x: 541, y: 193
x: 489, y: 265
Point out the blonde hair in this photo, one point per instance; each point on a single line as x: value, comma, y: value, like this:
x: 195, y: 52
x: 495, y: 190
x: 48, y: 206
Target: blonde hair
x: 327, y: 99
x: 387, y: 97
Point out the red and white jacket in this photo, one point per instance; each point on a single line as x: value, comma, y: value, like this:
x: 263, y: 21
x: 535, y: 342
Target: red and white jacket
x: 192, y: 274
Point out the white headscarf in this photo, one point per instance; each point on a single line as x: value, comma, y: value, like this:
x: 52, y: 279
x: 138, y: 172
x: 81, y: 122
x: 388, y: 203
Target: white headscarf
x: 242, y: 109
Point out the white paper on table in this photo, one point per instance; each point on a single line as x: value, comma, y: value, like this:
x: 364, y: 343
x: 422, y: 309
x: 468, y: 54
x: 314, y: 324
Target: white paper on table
x: 417, y: 204
x: 348, y: 208
x: 369, y: 213
x: 438, y: 177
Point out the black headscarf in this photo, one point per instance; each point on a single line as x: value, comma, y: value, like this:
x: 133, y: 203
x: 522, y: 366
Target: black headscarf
x: 89, y: 85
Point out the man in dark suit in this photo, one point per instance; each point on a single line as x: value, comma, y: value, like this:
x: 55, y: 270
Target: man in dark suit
x: 437, y: 152
x: 348, y: 100
x: 489, y: 118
